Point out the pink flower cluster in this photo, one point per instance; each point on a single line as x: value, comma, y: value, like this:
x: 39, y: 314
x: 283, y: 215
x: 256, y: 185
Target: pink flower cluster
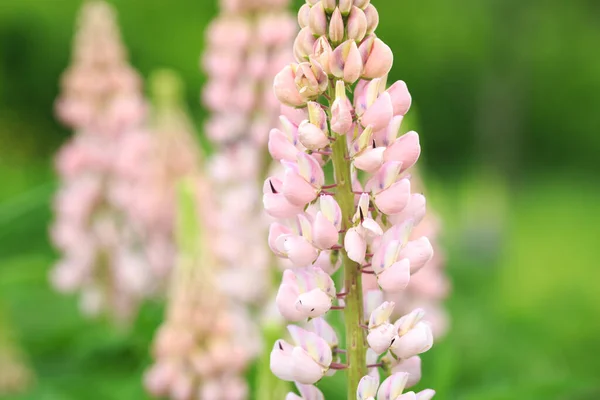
x: 198, y: 352
x: 430, y: 287
x: 114, y: 208
x: 338, y: 110
x: 246, y: 46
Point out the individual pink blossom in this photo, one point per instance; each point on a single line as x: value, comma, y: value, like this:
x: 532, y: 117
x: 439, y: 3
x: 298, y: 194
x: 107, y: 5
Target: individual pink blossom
x: 305, y: 293
x: 305, y: 362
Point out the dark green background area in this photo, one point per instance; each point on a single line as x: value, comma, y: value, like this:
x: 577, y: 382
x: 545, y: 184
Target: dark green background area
x: 508, y: 105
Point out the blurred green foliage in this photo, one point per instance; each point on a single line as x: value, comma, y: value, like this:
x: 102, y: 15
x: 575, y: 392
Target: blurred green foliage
x: 509, y: 84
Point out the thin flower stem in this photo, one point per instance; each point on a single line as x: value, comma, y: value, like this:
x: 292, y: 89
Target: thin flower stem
x: 338, y: 308
x: 378, y: 365
x: 337, y: 366
x: 353, y: 312
x: 367, y: 271
x: 329, y: 186
x: 341, y: 295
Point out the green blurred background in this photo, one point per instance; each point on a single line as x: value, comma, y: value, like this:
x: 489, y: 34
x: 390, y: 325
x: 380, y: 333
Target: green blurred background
x: 508, y: 96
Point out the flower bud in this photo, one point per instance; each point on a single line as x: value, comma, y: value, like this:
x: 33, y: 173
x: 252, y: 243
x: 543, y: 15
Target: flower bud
x: 345, y: 6
x: 329, y: 5
x: 357, y: 24
x: 341, y: 110
x: 303, y: 16
x: 317, y: 20
x: 336, y: 27
x: 303, y: 45
x: 310, y: 79
x: 362, y: 4
x: 322, y: 53
x: 346, y: 62
x: 317, y: 116
x: 285, y: 87
x: 312, y: 137
x: 377, y: 58
x: 372, y: 18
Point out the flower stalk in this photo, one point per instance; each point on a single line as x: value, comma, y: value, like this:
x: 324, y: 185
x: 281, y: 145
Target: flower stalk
x: 353, y: 312
x: 337, y: 109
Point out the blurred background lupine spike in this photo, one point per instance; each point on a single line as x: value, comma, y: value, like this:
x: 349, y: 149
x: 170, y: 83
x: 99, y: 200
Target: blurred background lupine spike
x: 246, y: 45
x: 203, y: 347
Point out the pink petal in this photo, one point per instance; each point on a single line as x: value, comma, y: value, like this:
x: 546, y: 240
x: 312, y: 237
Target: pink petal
x: 285, y: 300
x: 275, y: 231
x: 325, y: 234
x: 406, y: 149
x: 380, y: 338
x: 371, y: 160
x: 305, y: 370
x: 394, y: 199
x: 412, y: 366
x: 312, y: 137
x: 300, y: 252
x: 297, y: 190
x: 281, y: 361
x: 392, y: 387
x: 415, y: 210
x: 419, y: 252
x: 401, y: 98
x: 313, y: 304
x: 379, y: 61
x: 395, y: 278
x: 280, y: 147
x: 285, y: 88
x: 380, y: 114
x: 416, y: 341
x: 355, y: 245
x: 367, y: 388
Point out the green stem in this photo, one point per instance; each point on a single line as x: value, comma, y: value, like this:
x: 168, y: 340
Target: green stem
x: 353, y: 312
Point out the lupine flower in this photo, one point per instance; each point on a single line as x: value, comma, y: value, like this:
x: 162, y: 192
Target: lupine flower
x: 305, y: 293
x: 307, y: 392
x: 247, y: 44
x: 196, y: 350
x: 337, y: 52
x: 390, y: 389
x: 102, y: 244
x: 306, y: 361
x: 413, y: 336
